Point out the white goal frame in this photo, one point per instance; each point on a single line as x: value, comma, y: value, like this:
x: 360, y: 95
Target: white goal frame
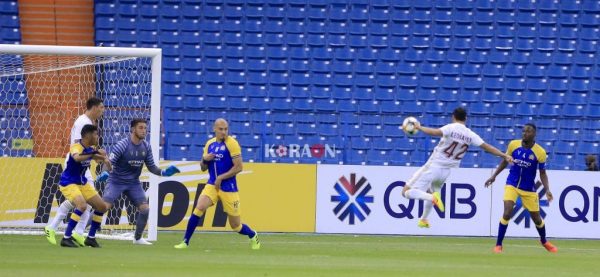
x: 156, y: 67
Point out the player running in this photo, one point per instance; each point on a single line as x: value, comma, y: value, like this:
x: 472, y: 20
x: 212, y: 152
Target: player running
x: 528, y: 157
x: 75, y: 187
x: 223, y: 158
x: 455, y: 141
x: 94, y: 111
x: 127, y: 159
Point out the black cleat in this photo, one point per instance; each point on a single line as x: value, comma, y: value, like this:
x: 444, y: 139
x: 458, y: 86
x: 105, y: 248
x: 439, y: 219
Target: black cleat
x: 91, y: 242
x: 68, y: 242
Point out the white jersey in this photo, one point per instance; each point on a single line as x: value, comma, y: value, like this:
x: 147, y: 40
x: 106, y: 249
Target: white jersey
x: 81, y: 121
x: 453, y: 145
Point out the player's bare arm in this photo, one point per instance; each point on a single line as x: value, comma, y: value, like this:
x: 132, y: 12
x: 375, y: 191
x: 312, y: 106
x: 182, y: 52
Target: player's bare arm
x: 493, y: 150
x: 80, y: 157
x: 205, y: 159
x: 544, y: 179
x: 429, y: 131
x: 237, y: 168
x: 500, y: 168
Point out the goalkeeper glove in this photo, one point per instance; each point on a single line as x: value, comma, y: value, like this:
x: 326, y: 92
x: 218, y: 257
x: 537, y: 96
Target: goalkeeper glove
x: 102, y: 177
x: 170, y: 171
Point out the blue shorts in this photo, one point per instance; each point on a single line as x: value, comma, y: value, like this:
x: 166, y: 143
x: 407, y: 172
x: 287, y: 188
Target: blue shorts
x: 135, y: 193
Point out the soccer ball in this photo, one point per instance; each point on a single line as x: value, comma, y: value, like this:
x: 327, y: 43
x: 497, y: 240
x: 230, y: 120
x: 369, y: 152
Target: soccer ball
x: 409, y: 126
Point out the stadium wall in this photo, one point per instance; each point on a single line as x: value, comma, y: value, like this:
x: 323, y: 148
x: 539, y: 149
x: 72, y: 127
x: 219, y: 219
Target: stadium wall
x: 52, y: 98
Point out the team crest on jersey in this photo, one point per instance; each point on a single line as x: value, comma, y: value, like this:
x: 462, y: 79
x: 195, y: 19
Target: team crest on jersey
x: 531, y: 157
x: 143, y: 153
x: 222, y: 147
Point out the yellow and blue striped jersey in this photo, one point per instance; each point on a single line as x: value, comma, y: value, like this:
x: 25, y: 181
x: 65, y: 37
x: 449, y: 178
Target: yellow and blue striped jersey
x: 74, y: 172
x: 225, y: 152
x: 526, y: 163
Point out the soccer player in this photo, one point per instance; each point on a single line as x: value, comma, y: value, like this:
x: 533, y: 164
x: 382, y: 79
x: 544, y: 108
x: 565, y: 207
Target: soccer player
x: 223, y: 159
x: 528, y: 157
x: 76, y: 188
x: 454, y: 143
x: 127, y: 159
x: 94, y: 110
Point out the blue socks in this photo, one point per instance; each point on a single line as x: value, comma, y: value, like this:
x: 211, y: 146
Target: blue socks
x: 501, y: 231
x: 96, y: 221
x: 542, y: 231
x: 245, y: 230
x: 192, y: 223
x: 75, y: 216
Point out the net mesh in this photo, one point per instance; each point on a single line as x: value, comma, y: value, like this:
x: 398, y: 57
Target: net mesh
x: 40, y: 98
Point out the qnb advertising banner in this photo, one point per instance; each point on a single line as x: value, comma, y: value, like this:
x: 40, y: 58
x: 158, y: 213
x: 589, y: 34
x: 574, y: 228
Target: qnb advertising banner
x: 572, y: 214
x: 368, y: 200
x: 274, y: 197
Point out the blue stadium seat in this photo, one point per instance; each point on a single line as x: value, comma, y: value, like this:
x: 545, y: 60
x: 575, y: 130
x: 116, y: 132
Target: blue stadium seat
x: 249, y: 56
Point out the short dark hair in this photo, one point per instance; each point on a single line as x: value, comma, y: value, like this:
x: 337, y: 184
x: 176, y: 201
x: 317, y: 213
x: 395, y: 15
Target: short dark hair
x: 93, y: 102
x: 137, y: 121
x: 531, y: 125
x: 88, y: 129
x: 460, y: 114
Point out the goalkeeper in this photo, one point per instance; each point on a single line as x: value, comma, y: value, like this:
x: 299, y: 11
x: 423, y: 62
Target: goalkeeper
x: 127, y: 158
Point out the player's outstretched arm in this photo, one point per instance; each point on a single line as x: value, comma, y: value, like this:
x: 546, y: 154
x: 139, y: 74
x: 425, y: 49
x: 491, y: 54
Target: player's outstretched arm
x: 429, y: 131
x: 494, y: 151
x: 506, y: 160
x: 80, y: 156
x: 238, y: 166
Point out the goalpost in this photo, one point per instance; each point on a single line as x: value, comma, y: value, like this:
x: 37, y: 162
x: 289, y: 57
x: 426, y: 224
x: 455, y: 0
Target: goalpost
x: 43, y: 90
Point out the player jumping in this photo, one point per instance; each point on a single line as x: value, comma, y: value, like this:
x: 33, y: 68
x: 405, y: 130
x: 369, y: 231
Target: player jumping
x: 223, y: 158
x: 127, y: 159
x: 453, y: 145
x: 76, y: 188
x: 94, y: 110
x: 528, y: 157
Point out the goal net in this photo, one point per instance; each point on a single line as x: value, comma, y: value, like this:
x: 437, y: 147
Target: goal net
x: 43, y: 89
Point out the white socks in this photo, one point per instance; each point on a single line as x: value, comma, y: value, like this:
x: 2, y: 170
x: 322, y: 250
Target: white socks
x: 64, y: 208
x: 418, y: 194
x: 83, y: 221
x: 427, y: 209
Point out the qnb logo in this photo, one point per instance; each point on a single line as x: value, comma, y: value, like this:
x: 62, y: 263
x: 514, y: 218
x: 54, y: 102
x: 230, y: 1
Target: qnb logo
x: 300, y: 151
x: 520, y: 214
x: 352, y: 198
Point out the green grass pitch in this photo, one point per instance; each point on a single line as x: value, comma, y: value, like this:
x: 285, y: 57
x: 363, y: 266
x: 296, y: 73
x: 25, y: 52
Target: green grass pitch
x: 229, y: 254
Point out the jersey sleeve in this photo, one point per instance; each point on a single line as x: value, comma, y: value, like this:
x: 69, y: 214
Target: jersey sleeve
x: 77, y: 126
x: 150, y: 161
x: 76, y: 131
x: 541, y: 155
x: 205, y: 152
x: 234, y: 148
x: 117, y: 152
x: 511, y: 147
x: 446, y: 129
x: 476, y: 140
x: 76, y: 149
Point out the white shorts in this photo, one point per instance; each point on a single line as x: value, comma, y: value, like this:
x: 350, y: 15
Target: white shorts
x: 429, y: 178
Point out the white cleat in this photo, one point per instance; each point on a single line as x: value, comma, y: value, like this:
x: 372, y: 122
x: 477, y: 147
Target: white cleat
x: 141, y: 241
